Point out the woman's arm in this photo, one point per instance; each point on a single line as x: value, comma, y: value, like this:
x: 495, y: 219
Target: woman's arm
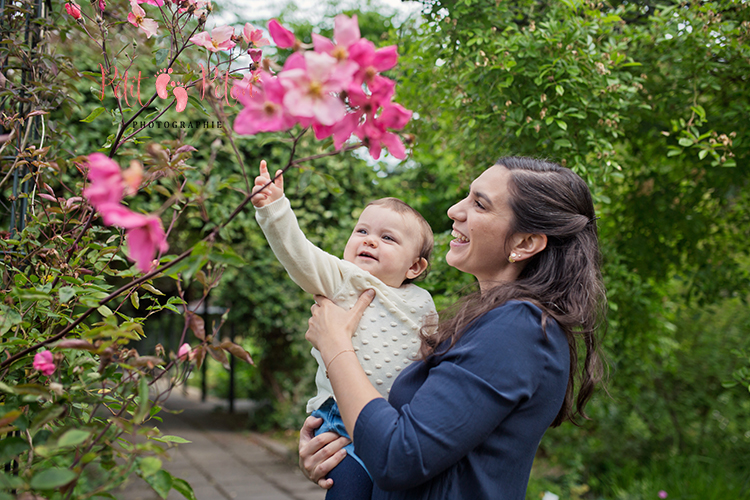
x: 330, y: 331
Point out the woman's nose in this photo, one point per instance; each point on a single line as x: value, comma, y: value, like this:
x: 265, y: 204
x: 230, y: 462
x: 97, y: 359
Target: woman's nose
x: 455, y: 212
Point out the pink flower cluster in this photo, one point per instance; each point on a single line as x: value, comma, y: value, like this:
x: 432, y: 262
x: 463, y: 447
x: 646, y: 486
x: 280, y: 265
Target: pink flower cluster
x: 337, y: 89
x: 107, y: 185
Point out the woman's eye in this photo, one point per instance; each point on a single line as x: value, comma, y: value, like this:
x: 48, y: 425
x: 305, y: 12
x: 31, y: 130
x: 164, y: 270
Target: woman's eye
x: 479, y: 204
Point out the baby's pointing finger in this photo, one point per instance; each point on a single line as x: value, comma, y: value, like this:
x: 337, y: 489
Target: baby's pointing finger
x: 264, y: 169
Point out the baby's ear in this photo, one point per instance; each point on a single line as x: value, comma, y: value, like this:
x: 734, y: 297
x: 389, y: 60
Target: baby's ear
x: 417, y: 268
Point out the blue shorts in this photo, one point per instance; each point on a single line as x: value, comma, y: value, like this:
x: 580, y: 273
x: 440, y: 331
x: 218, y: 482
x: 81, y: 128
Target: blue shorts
x: 332, y: 422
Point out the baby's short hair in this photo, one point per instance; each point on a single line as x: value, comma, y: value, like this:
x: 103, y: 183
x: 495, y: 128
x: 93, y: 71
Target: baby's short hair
x: 425, y: 231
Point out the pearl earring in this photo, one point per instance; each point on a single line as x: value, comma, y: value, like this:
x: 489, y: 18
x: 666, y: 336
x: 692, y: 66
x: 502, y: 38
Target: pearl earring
x: 513, y: 257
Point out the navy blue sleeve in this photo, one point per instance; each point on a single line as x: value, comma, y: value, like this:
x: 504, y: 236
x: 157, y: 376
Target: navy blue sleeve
x: 492, y: 369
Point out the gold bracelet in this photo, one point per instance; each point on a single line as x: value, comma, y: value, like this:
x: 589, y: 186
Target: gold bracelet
x: 336, y: 356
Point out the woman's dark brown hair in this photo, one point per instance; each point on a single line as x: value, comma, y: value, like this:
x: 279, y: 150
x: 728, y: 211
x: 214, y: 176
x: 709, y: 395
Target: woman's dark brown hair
x: 564, y: 279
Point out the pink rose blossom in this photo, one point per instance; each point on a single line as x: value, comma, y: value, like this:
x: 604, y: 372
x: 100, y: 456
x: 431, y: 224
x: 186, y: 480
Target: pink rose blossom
x: 157, y: 3
x: 220, y: 38
x: 345, y: 32
x: 372, y: 62
x: 375, y: 137
x: 264, y: 110
x: 138, y: 18
x: 255, y: 54
x: 73, y: 10
x: 132, y: 177
x: 184, y: 351
x: 309, y: 91
x: 283, y: 38
x: 44, y: 363
x: 254, y: 36
x: 145, y: 241
x: 105, y: 180
x: 102, y: 5
x: 663, y: 494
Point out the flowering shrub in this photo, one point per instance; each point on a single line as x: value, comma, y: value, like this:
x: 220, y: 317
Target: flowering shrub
x: 72, y: 390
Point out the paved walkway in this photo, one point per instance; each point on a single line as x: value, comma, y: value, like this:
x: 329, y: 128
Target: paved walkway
x: 222, y: 461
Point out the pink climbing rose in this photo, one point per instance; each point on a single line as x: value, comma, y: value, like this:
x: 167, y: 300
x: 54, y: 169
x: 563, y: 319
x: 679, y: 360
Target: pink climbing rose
x: 283, y: 38
x: 44, y: 363
x: 309, y: 91
x: 254, y: 36
x: 138, y: 18
x: 184, y: 351
x: 105, y: 180
x: 73, y: 10
x: 345, y: 32
x: 220, y: 38
x: 145, y: 241
x: 264, y: 110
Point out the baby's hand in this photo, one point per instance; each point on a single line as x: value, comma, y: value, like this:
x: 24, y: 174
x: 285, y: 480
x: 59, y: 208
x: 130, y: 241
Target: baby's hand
x: 272, y: 192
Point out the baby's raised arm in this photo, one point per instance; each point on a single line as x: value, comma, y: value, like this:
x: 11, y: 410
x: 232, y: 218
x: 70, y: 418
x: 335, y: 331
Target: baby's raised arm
x: 271, y: 192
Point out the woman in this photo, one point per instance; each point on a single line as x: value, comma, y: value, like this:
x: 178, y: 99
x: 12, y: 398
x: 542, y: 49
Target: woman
x: 466, y: 421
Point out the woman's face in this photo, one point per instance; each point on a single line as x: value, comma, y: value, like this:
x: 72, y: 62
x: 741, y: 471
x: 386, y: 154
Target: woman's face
x: 481, y: 222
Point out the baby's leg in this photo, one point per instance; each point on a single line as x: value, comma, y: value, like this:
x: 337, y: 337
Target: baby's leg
x: 350, y: 481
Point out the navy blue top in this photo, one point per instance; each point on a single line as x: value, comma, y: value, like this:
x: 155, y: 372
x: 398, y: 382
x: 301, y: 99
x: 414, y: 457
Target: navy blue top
x: 466, y: 424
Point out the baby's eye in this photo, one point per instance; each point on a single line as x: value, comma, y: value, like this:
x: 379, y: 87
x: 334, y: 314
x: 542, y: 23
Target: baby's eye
x: 389, y: 238
x: 361, y: 231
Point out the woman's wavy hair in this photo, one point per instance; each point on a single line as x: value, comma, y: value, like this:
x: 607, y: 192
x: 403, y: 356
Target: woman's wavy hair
x: 564, y: 279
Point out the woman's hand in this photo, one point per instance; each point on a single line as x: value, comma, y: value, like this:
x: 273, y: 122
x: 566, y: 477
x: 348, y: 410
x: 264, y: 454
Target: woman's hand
x: 318, y: 455
x: 330, y: 327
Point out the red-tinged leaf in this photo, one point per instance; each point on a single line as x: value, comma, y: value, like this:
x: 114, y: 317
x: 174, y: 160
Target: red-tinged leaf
x: 218, y: 354
x: 147, y: 361
x: 10, y: 417
x: 237, y: 351
x: 76, y: 344
x: 197, y: 325
x: 200, y: 355
x: 184, y: 149
x: 37, y: 112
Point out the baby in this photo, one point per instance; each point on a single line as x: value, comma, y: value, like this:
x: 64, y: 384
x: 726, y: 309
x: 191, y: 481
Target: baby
x: 389, y: 247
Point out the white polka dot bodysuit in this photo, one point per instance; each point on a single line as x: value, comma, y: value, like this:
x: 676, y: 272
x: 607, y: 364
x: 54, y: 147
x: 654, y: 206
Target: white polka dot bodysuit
x: 387, y: 338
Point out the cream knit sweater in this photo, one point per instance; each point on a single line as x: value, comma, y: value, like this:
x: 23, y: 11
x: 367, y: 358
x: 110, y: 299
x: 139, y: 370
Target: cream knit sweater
x: 387, y: 338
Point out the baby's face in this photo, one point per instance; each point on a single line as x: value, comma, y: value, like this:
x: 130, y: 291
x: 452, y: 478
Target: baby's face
x: 386, y: 244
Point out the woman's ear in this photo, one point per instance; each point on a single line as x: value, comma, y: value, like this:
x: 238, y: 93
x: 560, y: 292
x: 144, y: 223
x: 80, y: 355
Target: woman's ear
x: 527, y: 245
x: 417, y: 268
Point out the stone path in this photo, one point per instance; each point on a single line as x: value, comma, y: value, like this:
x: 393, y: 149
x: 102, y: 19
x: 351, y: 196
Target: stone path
x: 222, y: 461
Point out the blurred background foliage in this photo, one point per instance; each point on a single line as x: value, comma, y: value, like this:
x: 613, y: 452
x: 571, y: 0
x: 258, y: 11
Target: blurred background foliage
x: 647, y: 100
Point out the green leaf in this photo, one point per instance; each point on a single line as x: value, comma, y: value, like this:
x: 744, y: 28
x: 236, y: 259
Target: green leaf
x: 685, y: 142
x: 142, y: 401
x: 183, y: 488
x: 161, y: 482
x: 702, y: 153
x: 73, y: 437
x: 66, y: 293
x: 673, y: 151
x: 559, y: 89
x: 104, y: 311
x: 149, y: 466
x: 151, y: 289
x: 134, y: 300
x: 562, y: 124
x: 171, y: 439
x: 11, y: 447
x: 93, y: 115
x: 54, y: 477
x: 160, y: 56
